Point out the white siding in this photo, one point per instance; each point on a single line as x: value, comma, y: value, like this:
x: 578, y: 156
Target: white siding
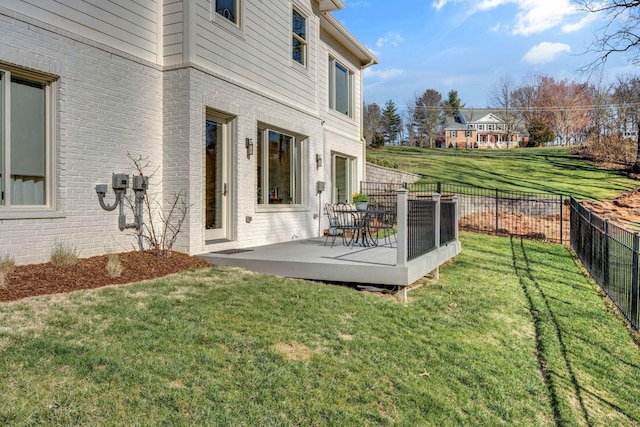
x: 130, y: 26
x: 258, y: 54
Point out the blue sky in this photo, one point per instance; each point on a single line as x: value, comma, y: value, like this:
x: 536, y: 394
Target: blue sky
x: 468, y: 45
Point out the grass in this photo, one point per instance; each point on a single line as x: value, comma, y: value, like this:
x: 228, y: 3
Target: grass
x: 7, y: 264
x: 553, y: 170
x: 63, y: 255
x: 512, y: 334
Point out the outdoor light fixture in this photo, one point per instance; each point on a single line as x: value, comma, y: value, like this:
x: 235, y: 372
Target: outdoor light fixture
x: 318, y: 161
x: 249, y: 145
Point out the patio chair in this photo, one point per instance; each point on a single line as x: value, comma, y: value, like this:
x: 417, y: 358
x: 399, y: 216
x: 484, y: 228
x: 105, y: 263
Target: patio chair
x: 342, y: 222
x: 384, y: 222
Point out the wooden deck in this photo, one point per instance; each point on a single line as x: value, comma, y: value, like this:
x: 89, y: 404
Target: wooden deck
x: 311, y: 259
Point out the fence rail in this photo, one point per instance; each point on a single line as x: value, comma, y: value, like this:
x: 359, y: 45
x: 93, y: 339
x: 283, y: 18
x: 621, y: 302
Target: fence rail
x: 610, y: 254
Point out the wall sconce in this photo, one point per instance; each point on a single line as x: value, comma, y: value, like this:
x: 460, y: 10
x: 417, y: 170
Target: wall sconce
x: 249, y: 144
x: 318, y: 161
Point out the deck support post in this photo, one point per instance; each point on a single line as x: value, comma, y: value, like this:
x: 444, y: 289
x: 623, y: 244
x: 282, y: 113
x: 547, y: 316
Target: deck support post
x: 402, y: 218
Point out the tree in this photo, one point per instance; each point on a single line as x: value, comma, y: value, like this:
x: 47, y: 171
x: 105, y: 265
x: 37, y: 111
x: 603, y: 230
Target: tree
x: 502, y: 98
x: 425, y: 118
x: 371, y: 121
x: 391, y: 121
x: 377, y: 140
x: 620, y: 35
x: 539, y: 133
x: 452, y: 103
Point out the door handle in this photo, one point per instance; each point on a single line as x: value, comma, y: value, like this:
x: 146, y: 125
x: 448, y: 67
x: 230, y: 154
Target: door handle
x: 224, y: 189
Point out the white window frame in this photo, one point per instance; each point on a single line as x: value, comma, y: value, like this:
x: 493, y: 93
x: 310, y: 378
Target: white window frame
x: 295, y: 37
x: 223, y: 15
x: 297, y: 169
x: 48, y: 83
x: 333, y: 64
x: 468, y: 134
x: 454, y: 134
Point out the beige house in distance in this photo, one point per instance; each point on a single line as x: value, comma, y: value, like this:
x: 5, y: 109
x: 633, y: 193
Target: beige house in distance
x: 250, y: 108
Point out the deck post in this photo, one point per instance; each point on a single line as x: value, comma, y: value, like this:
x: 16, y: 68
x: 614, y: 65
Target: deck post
x: 456, y: 212
x: 438, y: 220
x: 402, y: 217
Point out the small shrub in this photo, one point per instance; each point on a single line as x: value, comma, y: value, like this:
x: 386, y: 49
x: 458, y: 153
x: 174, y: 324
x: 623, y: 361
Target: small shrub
x: 114, y: 266
x: 6, y: 268
x: 63, y: 255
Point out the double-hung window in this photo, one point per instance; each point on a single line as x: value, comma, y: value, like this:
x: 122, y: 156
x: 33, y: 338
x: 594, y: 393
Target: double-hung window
x: 228, y: 9
x: 25, y: 140
x: 454, y: 134
x: 340, y: 88
x: 299, y: 38
x: 279, y: 160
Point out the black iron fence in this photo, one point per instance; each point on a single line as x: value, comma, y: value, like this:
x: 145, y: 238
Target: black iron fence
x: 448, y: 219
x: 610, y: 254
x: 540, y: 216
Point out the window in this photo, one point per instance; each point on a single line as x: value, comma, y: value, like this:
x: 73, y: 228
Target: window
x: 489, y: 127
x: 299, y: 38
x: 454, y: 134
x: 480, y: 127
x: 340, y: 88
x: 227, y: 9
x: 25, y: 147
x: 279, y: 158
x: 467, y: 134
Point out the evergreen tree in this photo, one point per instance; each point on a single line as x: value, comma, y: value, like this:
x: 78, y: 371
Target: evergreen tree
x: 452, y: 103
x: 391, y: 122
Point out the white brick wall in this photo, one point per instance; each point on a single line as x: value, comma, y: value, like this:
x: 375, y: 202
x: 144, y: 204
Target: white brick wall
x: 107, y: 105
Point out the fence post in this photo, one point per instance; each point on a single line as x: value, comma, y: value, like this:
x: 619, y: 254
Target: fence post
x: 634, y: 283
x: 403, y: 234
x: 561, y: 223
x: 439, y: 187
x: 438, y: 220
x: 497, y: 211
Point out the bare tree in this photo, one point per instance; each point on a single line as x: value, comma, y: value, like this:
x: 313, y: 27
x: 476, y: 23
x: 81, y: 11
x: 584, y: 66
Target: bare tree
x: 425, y: 117
x: 502, y: 98
x: 372, y: 121
x: 621, y: 32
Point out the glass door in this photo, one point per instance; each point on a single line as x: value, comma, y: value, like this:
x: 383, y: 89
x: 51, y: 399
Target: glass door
x: 216, y: 173
x: 342, y: 188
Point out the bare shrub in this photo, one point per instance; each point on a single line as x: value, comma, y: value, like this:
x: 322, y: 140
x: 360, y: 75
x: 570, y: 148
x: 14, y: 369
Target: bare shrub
x: 162, y: 226
x: 114, y: 266
x: 63, y: 255
x: 7, y: 265
x: 611, y: 149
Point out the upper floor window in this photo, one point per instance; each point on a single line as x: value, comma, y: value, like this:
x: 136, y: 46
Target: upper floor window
x: 489, y: 127
x: 340, y: 88
x: 25, y: 146
x: 467, y: 134
x: 228, y: 9
x: 480, y: 127
x: 279, y: 161
x: 299, y: 38
x: 454, y: 134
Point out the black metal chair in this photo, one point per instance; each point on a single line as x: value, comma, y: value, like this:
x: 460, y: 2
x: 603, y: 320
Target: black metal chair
x: 383, y: 223
x: 343, y: 221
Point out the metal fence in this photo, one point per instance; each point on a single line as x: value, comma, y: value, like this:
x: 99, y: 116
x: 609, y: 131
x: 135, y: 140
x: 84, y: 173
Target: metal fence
x: 421, y: 227
x: 540, y: 216
x: 610, y: 254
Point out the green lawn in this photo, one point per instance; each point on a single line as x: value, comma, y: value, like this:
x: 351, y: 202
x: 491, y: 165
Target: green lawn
x: 532, y: 169
x: 512, y: 334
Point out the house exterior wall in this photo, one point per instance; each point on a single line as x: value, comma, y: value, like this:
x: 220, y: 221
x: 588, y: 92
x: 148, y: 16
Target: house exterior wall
x: 100, y: 114
x: 136, y: 79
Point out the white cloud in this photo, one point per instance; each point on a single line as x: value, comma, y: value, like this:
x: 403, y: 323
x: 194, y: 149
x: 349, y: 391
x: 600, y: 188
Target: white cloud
x: 533, y: 16
x: 391, y: 38
x: 384, y: 74
x: 545, y: 52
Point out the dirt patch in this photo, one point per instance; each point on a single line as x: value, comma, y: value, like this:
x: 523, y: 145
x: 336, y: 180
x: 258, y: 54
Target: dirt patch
x: 545, y: 228
x: 624, y: 210
x: 89, y: 273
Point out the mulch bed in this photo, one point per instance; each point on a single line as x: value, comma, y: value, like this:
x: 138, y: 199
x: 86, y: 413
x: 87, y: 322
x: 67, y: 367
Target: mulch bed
x: 89, y: 273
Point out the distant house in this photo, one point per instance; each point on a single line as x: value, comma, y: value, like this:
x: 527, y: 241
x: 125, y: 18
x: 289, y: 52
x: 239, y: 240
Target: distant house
x: 482, y: 128
x: 250, y: 108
